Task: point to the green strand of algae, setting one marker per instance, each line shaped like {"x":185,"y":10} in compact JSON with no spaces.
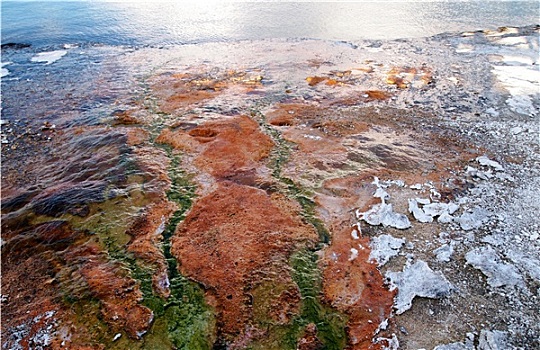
{"x":305,"y":272}
{"x":185,"y":316}
{"x":183,"y":320}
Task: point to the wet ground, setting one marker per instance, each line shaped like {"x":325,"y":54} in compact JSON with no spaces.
{"x":273,"y":194}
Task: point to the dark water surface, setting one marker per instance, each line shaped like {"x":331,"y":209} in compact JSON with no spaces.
{"x":156,"y":23}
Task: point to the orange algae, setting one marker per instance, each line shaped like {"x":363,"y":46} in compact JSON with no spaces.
{"x":312,"y":81}
{"x":251,"y":234}
{"x":222,"y":147}
{"x":402,"y":77}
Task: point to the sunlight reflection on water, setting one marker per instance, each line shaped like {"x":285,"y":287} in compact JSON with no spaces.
{"x":151,"y":23}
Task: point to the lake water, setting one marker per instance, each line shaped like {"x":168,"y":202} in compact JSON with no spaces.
{"x":156,"y":23}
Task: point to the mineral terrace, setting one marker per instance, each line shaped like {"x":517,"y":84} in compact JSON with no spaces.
{"x":276,"y":195}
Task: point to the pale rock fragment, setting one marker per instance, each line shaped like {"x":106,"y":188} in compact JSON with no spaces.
{"x":527,"y":263}
{"x":422,"y":201}
{"x":483,"y":175}
{"x":472,"y":171}
{"x":418,"y":213}
{"x":522,"y":84}
{"x":382,"y":194}
{"x":468,"y":345}
{"x":497,"y":272}
{"x":516,"y":130}
{"x":445,"y":218}
{"x":417,"y":280}
{"x":512,"y":40}
{"x":464,"y":48}
{"x":384,"y":247}
{"x":393,"y":343}
{"x":4,"y":71}
{"x":483,"y":160}
{"x":382,"y":326}
{"x":492,"y":340}
{"x":444,"y":237}
{"x":431,"y":210}
{"x":383,"y":214}
{"x":49,"y":57}
{"x":434,"y":193}
{"x":444,"y":252}
{"x":312,"y":137}
{"x":493,"y":112}
{"x":354,"y":234}
{"x":354,"y":254}
{"x":505,"y":176}
{"x":522,"y":104}
{"x":388,"y":183}
{"x":472,"y":220}
{"x":437,"y":209}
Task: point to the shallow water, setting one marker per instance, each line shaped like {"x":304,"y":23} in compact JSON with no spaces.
{"x":155,"y":23}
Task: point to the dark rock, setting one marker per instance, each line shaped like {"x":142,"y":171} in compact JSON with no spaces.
{"x":15,"y":46}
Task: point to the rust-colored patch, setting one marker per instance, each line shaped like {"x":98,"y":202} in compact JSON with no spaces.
{"x":178,"y":139}
{"x":292,"y":112}
{"x":282,"y":120}
{"x":224,"y":147}
{"x":136,"y":136}
{"x":234,"y":238}
{"x":402,"y":77}
{"x":355,"y":286}
{"x":312,"y":81}
{"x":377,"y":95}
{"x":332,"y":79}
{"x":124,"y":118}
{"x":46,"y":255}
{"x":326,"y":119}
{"x":351,"y":283}
{"x":341,"y":74}
{"x":332,"y":82}
{"x":187,"y":98}
{"x":360,"y":98}
{"x":118,"y":293}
